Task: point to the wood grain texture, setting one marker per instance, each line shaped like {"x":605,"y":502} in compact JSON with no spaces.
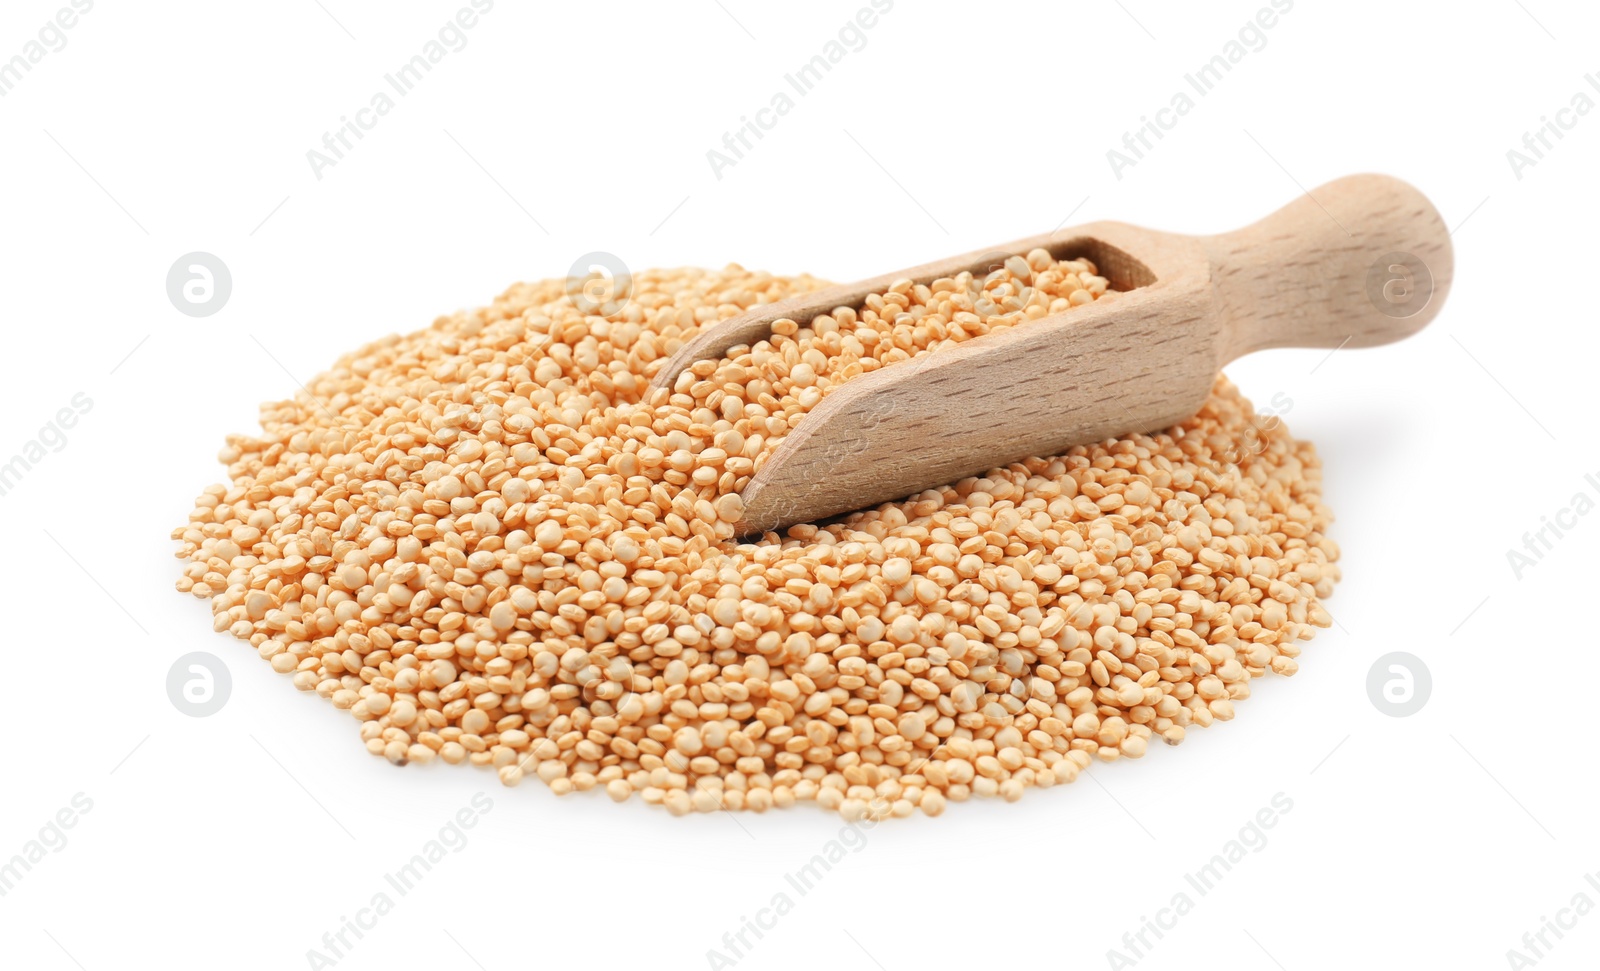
{"x":1361,"y":261}
{"x":1305,"y":275}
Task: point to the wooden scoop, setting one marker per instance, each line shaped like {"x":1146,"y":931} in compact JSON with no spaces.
{"x":1361,"y":261}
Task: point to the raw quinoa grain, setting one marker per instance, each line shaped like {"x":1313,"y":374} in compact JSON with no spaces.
{"x":490,"y":543}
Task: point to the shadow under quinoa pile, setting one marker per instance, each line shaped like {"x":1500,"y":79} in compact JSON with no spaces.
{"x":486,"y":544}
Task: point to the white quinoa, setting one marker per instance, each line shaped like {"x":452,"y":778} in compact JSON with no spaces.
{"x":481,"y":541}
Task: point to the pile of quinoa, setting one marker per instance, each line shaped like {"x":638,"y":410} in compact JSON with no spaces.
{"x":490,"y":542}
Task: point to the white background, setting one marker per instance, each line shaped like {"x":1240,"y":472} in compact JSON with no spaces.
{"x":238,"y":840}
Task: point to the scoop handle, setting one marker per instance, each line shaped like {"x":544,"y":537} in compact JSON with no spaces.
{"x":1360,"y":261}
